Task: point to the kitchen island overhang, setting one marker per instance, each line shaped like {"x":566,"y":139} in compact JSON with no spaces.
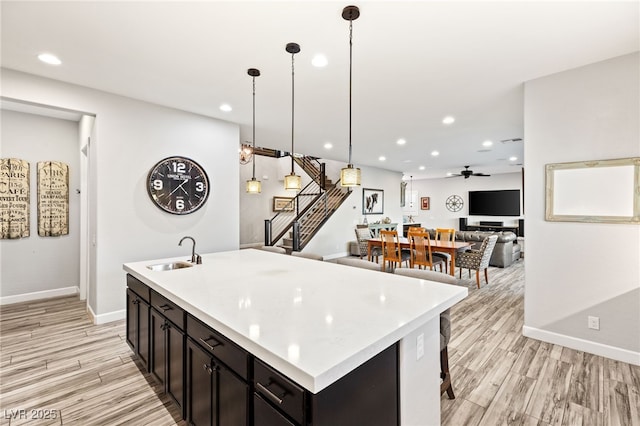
{"x":313,"y":321}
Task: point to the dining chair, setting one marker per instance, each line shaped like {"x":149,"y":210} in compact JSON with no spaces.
{"x":391,"y":252}
{"x":420,"y":244}
{"x":477,"y":259}
{"x":362,"y":235}
{"x":358,"y":263}
{"x":445,"y":325}
{"x":444,"y":234}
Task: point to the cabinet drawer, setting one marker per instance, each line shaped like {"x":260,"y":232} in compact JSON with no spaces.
{"x":222,"y":348}
{"x":279,"y":390}
{"x":173,"y":312}
{"x":138,"y":287}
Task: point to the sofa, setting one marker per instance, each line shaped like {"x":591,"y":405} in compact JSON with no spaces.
{"x":506,"y":251}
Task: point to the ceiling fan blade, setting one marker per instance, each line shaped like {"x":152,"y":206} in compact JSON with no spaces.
{"x":480,"y":174}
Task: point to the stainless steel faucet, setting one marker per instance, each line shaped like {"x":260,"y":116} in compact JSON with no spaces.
{"x":195,"y":257}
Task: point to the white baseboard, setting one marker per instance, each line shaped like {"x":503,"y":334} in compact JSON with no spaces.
{"x":105,"y":318}
{"x":576,"y":343}
{"x":38,"y":295}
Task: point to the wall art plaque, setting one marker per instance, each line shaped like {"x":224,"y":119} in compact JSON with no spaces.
{"x":53,"y":198}
{"x":14,"y":198}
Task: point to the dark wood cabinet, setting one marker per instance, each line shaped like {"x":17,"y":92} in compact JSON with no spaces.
{"x":215,"y":395}
{"x":138,"y":327}
{"x":215,"y":382}
{"x":266,"y":415}
{"x":166,"y":356}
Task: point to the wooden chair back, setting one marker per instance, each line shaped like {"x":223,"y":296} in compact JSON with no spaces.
{"x":420,"y":243}
{"x":390,"y":248}
{"x":414,"y":230}
{"x":445,"y":234}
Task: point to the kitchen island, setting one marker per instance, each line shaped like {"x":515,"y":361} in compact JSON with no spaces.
{"x":317,"y":324}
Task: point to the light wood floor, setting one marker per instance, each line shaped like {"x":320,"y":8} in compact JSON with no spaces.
{"x":501,"y":377}
{"x":53,"y":358}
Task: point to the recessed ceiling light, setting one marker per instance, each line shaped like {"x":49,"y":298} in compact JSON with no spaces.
{"x":49,"y":58}
{"x":448,"y":120}
{"x":422,"y":167}
{"x":319,"y":61}
{"x":434,"y":153}
{"x":401,"y":141}
{"x":328,"y":145}
{"x":382,"y":158}
{"x":226,"y":107}
{"x":487,"y":143}
{"x":514,"y":158}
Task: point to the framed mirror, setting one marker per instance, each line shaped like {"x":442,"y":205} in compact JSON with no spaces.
{"x":601,"y":191}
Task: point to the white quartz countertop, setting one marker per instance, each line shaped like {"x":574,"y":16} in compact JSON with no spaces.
{"x":313,"y":321}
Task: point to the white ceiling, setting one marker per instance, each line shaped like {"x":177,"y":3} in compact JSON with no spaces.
{"x":414,"y":62}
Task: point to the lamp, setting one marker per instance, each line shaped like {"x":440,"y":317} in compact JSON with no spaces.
{"x":350,"y":176}
{"x":292,"y":181}
{"x":253,"y":185}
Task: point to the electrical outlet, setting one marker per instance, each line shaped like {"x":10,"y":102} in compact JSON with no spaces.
{"x":593,"y":323}
{"x":419,"y":346}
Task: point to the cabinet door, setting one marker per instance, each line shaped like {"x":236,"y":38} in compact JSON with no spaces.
{"x":175,"y":364}
{"x":143,"y":333}
{"x":157,"y":357}
{"x":233,"y":399}
{"x":132,"y":320}
{"x":138,"y":327}
{"x":201,"y":387}
{"x":265,"y":415}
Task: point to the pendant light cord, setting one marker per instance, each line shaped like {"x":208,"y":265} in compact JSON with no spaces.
{"x":292,"y":109}
{"x":254,"y":130}
{"x":350,"y":79}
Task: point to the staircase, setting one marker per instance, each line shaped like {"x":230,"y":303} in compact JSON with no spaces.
{"x":311,"y":208}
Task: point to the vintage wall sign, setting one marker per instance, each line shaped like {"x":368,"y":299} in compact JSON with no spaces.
{"x":14,"y":198}
{"x":53,"y":198}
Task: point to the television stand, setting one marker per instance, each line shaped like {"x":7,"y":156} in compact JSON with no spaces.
{"x":513,"y":228}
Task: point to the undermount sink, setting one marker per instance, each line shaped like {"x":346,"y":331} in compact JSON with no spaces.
{"x":170,"y":266}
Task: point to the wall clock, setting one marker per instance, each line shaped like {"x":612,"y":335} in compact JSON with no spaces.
{"x":178,"y":185}
{"x":454,"y":203}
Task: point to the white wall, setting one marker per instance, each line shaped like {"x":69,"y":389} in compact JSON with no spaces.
{"x":130,"y":137}
{"x":438,"y":190}
{"x":580,"y":269}
{"x":42,"y":264}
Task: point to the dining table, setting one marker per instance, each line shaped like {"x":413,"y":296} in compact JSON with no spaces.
{"x":450,"y":247}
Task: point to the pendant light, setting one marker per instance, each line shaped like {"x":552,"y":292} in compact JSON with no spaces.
{"x":253,"y":185}
{"x":350,"y":176}
{"x":292,"y":181}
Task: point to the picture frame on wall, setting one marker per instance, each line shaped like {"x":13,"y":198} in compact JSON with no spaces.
{"x":424,"y":203}
{"x":372,"y":201}
{"x":283,"y":204}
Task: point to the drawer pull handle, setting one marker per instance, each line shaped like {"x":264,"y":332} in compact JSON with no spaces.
{"x":275,"y":398}
{"x":204,"y":342}
{"x":165,"y":307}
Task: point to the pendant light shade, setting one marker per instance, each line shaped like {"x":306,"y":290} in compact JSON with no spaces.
{"x":253,"y":185}
{"x":350,"y":176}
{"x":292,"y":181}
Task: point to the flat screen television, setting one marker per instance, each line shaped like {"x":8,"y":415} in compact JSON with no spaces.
{"x":494,"y":203}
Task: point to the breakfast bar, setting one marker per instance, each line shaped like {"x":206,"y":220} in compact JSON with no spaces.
{"x":293,"y":326}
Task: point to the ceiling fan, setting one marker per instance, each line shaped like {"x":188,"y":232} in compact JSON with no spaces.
{"x":466,"y":173}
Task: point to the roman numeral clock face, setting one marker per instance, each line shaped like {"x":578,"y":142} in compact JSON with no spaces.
{"x":178,"y":185}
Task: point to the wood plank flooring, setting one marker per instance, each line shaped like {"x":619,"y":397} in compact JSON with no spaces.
{"x":500,"y":377}
{"x":53,"y":358}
